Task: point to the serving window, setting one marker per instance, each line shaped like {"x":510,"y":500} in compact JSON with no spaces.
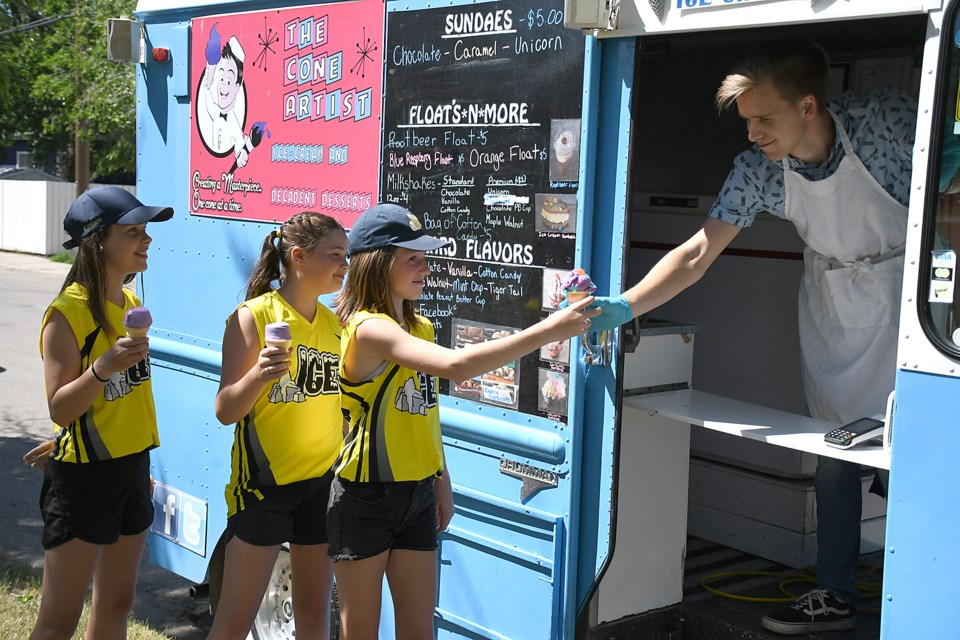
{"x":938,"y":298}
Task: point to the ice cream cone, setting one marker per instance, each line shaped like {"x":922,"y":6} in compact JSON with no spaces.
{"x":277,"y":334}
{"x":578,"y":286}
{"x":137,"y":321}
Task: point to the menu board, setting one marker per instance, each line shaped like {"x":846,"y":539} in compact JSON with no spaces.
{"x":481,"y":140}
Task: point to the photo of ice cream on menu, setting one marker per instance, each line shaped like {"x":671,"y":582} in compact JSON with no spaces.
{"x":553,"y":293}
{"x":552,"y":396}
{"x":565,"y":150}
{"x":556,"y":213}
{"x":500,"y":386}
{"x":558,"y":351}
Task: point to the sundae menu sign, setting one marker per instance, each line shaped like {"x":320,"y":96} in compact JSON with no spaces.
{"x":482,"y":141}
{"x":286,"y":111}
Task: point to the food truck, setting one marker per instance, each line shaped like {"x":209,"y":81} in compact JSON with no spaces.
{"x":539,"y":136}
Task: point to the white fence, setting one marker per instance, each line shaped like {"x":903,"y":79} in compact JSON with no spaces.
{"x":31,"y":215}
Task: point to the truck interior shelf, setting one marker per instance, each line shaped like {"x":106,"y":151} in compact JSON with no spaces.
{"x":780,"y":428}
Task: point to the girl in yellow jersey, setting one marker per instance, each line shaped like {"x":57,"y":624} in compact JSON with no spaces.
{"x":95,"y":497}
{"x":392,"y":493}
{"x":289,"y":428}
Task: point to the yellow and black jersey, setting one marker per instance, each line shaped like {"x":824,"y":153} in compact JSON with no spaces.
{"x":122,"y":419}
{"x":394,"y":418}
{"x":295,"y":428}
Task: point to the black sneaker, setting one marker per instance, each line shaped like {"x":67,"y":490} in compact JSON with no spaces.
{"x":813,"y":612}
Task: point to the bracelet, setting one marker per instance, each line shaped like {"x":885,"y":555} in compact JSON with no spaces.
{"x":94,"y":372}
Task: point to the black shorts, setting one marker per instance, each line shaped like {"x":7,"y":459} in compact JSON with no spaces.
{"x":294,"y":513}
{"x":367,"y":518}
{"x":96,"y":502}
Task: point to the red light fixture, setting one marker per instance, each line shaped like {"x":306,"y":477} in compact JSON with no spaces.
{"x":160,"y":54}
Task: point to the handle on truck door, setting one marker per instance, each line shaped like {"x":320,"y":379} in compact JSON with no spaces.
{"x":888,"y":423}
{"x":598,"y":353}
{"x":631,"y":334}
{"x":601,"y":352}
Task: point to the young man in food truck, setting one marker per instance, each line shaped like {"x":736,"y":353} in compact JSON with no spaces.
{"x":840,"y":171}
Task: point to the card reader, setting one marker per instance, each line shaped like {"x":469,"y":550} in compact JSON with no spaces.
{"x":854,"y":433}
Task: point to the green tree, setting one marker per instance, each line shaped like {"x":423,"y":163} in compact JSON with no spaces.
{"x":17,"y":116}
{"x":56,"y":82}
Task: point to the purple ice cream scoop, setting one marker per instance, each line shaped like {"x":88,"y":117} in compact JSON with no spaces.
{"x":277,"y":334}
{"x":578,"y":280}
{"x":137,"y":321}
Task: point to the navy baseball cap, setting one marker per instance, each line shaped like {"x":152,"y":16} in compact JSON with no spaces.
{"x":384,"y":225}
{"x":102,"y":206}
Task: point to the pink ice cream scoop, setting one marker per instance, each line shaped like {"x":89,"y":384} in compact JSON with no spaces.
{"x":553,"y":389}
{"x":137,"y":321}
{"x":277,"y":334}
{"x":578,"y":285}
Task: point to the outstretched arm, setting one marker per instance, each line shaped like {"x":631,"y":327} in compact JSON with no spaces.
{"x":378,"y":340}
{"x":676,"y":271}
{"x":681,"y":267}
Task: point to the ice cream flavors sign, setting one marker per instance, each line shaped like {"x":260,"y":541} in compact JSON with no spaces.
{"x":286,"y":112}
{"x":481,"y":139}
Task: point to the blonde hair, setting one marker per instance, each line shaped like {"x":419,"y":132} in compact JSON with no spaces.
{"x":794,"y":69}
{"x":368,"y":288}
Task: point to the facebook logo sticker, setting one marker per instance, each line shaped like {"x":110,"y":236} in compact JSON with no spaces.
{"x":166,"y":506}
{"x":180,"y":518}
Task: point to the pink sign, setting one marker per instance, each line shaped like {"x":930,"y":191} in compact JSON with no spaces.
{"x":286,"y":113}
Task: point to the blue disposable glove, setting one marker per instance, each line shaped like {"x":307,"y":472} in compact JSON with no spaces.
{"x":616,"y":311}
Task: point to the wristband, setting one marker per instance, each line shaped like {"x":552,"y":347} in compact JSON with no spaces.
{"x":94,"y":372}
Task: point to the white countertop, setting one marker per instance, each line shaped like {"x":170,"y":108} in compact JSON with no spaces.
{"x":753,"y":421}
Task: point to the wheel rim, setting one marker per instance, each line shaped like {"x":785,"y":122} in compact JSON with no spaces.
{"x":274,"y":620}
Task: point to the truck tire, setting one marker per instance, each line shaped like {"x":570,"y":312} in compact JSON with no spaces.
{"x":274,"y":620}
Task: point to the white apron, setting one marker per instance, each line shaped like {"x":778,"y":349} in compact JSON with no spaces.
{"x":850,"y":295}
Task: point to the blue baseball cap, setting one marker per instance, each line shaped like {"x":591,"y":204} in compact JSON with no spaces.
{"x":384,"y":225}
{"x":102,"y":206}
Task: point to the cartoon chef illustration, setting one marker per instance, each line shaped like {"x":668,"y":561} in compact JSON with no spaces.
{"x":222,"y":101}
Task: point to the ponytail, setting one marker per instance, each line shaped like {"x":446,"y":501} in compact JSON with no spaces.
{"x":268,"y":266}
{"x":305,"y":230}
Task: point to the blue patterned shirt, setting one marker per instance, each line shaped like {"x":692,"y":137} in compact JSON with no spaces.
{"x":881,"y":126}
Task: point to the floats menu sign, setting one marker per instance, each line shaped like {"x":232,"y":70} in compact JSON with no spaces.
{"x":286,"y":111}
{"x":482,"y":141}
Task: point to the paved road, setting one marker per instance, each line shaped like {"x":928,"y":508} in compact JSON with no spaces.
{"x":27,"y":285}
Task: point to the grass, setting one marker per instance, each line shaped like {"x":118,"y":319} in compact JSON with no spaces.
{"x":66,"y":257}
{"x":20,"y":603}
